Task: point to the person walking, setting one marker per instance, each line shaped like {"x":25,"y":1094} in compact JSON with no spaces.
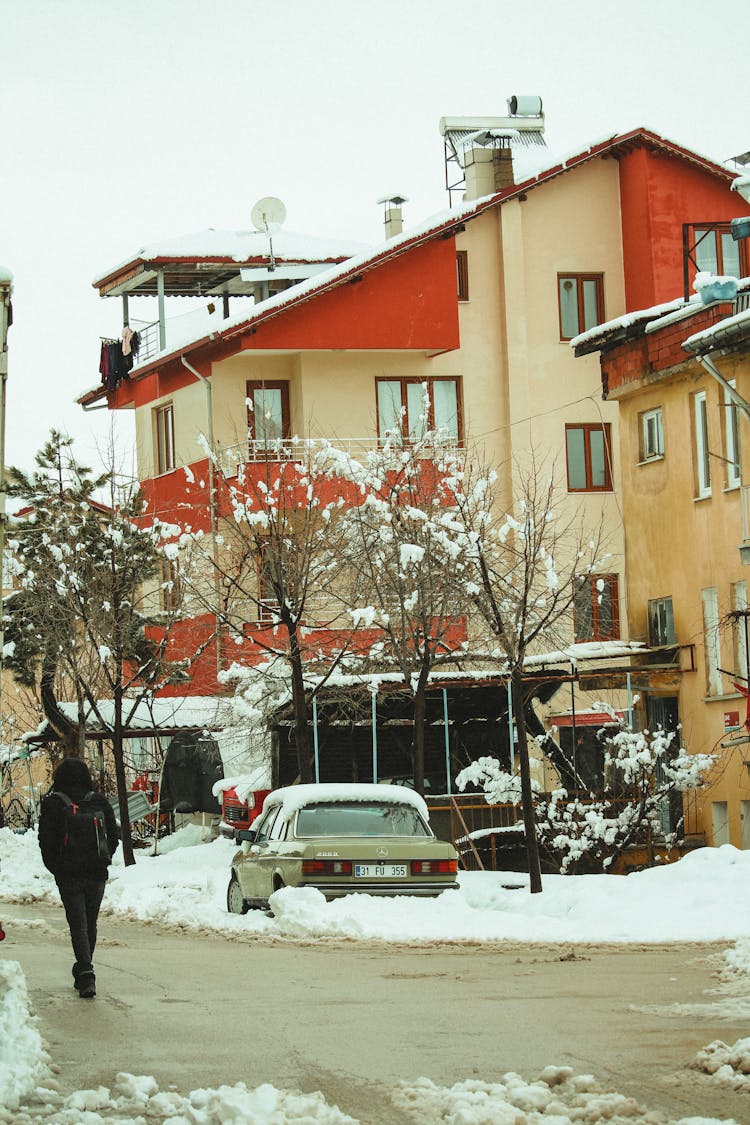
{"x":78,"y":836}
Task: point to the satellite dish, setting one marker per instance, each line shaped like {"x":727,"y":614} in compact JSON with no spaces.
{"x":268,"y":214}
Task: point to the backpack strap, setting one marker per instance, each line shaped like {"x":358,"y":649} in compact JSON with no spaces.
{"x":64,"y":798}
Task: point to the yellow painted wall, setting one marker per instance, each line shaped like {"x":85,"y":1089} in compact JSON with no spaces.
{"x":679,"y":546}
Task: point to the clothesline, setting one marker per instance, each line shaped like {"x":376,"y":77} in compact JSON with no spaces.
{"x":117,"y":357}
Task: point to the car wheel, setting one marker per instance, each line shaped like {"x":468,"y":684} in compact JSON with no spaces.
{"x":235,"y":902}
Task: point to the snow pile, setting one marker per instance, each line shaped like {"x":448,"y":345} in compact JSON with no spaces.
{"x":137,"y":1098}
{"x":700,"y":898}
{"x":183,"y":886}
{"x":558,"y":1097}
{"x":24,"y":1063}
{"x":727,"y":1064}
{"x":23,"y":876}
{"x":730,"y":1065}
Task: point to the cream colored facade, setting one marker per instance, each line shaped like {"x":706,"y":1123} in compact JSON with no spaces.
{"x":520,"y":383}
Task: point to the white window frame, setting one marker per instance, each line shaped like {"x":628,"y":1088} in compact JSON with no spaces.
{"x":702,"y":463}
{"x":732,"y":439}
{"x":739,"y":606}
{"x":661,"y":630}
{"x":652,"y":434}
{"x":712,"y":641}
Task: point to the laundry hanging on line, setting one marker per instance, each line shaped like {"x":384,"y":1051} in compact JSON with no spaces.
{"x":115,"y":362}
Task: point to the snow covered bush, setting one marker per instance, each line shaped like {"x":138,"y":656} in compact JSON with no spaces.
{"x":578,"y":832}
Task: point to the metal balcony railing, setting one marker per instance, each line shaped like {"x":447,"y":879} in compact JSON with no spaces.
{"x":149,"y":334}
{"x":289,"y":449}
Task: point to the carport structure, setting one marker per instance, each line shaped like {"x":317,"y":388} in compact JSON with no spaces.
{"x":361,"y":726}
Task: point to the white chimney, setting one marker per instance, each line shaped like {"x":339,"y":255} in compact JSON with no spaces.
{"x":479,"y":150}
{"x":393,"y":217}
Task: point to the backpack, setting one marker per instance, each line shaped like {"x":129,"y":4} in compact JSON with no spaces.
{"x":85,"y":842}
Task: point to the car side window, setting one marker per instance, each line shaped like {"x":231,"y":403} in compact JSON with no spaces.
{"x":277,"y":830}
{"x":265,"y":825}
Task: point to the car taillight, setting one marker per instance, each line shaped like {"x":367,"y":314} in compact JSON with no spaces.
{"x":434,"y":866}
{"x":326,"y":867}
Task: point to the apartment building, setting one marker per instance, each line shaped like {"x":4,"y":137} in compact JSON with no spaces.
{"x":479,"y":302}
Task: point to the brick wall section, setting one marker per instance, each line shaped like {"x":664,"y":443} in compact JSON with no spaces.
{"x":658,"y":351}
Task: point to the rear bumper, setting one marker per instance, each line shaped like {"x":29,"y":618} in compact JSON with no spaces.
{"x":381,"y":890}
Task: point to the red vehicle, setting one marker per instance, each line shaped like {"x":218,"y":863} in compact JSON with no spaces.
{"x":237,"y":815}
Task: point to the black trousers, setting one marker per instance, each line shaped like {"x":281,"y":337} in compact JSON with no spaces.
{"x":82,"y":898}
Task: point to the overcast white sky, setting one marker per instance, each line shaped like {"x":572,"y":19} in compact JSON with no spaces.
{"x":124,"y":124}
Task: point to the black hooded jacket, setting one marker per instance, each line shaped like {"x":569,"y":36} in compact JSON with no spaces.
{"x":72,"y":777}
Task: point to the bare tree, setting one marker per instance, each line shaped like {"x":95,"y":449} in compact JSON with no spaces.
{"x":277,"y":554}
{"x":527,"y":566}
{"x":405,"y":551}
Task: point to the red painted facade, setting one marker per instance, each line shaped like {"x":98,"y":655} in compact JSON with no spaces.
{"x":660,"y":193}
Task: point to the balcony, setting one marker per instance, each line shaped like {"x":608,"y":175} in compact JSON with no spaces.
{"x":232,"y":457}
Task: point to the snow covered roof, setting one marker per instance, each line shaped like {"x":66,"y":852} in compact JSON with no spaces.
{"x":234,"y":246}
{"x":442,"y":223}
{"x":593,"y":338}
{"x":647,"y":321}
{"x":730,"y":330}
{"x":168,"y":714}
{"x":295,"y":797}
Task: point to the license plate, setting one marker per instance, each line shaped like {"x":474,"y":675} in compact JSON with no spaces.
{"x":379,"y":870}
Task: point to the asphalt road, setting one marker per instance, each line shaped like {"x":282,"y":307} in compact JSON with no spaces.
{"x":353,"y":1019}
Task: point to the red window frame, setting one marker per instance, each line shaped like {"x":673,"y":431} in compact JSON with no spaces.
{"x":164,"y":425}
{"x":462,"y":274}
{"x":690,"y":250}
{"x":170,"y":574}
{"x":404,"y":383}
{"x":269,"y":384}
{"x":588,"y":428}
{"x":579,"y":278}
{"x":587,"y":586}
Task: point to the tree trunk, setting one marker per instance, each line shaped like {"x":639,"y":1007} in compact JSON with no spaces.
{"x":299,"y":702}
{"x":66,"y":731}
{"x":420,"y":711}
{"x":122,"y":786}
{"x":527,"y":797}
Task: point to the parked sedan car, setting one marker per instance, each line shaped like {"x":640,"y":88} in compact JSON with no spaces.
{"x":341,"y":839}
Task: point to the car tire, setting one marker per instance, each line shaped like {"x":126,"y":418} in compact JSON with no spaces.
{"x":236,"y":904}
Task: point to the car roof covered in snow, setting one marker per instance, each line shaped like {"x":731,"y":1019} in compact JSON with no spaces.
{"x":295,"y":797}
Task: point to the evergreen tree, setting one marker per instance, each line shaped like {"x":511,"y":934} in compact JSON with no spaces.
{"x":79,"y":623}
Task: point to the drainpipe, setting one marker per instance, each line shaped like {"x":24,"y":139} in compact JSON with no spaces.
{"x":213,"y":515}
{"x":708,"y":365}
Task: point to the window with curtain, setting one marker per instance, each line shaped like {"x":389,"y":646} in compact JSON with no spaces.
{"x":413,"y":406}
{"x":164,"y":425}
{"x":581,"y":302}
{"x":702,"y":462}
{"x":587,"y":449}
{"x":596,"y":608}
{"x":267,"y":411}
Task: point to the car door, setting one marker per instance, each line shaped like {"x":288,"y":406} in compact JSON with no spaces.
{"x":263,"y":855}
{"x":252,"y":866}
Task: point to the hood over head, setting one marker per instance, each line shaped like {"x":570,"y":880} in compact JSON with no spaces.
{"x":72,"y":776}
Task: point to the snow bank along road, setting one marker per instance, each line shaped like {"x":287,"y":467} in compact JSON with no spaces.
{"x":353,"y":1019}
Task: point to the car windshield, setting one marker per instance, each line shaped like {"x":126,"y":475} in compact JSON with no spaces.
{"x":359,"y":818}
